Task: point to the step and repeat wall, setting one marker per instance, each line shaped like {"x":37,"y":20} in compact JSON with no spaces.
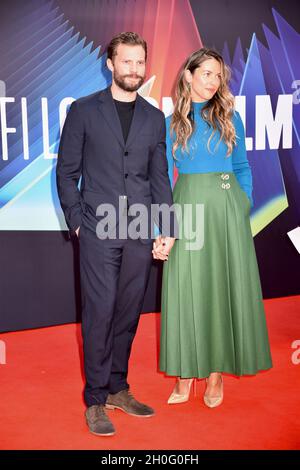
{"x":54,"y":51}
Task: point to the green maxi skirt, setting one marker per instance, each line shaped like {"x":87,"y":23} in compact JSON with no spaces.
{"x":212,"y":317}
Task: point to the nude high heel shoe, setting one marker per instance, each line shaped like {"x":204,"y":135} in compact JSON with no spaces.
{"x":176,"y":397}
{"x":212,"y":402}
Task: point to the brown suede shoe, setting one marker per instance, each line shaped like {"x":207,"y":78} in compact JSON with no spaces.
{"x":126,"y":402}
{"x":98,"y":422}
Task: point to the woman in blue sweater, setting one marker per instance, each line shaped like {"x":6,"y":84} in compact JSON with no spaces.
{"x":213,"y":318}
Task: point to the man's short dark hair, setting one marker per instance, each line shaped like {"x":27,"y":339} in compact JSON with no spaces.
{"x":130,"y":38}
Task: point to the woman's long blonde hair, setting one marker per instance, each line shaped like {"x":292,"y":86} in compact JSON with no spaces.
{"x":217,"y":112}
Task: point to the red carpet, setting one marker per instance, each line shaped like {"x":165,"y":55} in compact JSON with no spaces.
{"x":41,"y":395}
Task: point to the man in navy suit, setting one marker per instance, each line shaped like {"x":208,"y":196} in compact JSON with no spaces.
{"x":115,"y":141}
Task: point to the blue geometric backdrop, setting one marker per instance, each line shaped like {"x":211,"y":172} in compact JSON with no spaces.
{"x":52,"y":62}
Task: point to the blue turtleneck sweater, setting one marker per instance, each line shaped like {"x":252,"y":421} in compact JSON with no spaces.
{"x":200,"y":160}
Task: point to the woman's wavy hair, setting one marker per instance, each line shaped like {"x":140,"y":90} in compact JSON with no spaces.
{"x":217,"y":112}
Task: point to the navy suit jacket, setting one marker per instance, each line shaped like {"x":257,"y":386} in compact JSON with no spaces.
{"x":92,"y":147}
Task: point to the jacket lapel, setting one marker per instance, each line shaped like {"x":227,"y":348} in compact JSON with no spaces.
{"x":110,"y":114}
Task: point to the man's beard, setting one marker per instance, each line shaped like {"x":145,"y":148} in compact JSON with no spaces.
{"x":120,"y":81}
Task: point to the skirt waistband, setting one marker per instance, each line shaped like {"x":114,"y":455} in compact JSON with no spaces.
{"x":213,"y":174}
{"x":222,"y":179}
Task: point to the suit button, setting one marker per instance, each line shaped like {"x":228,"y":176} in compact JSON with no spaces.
{"x":226,"y":177}
{"x":126,"y":154}
{"x":126,"y":175}
{"x":227,"y":185}
{"x":223,"y":186}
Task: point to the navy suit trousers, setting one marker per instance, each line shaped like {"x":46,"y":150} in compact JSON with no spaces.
{"x":114,"y":276}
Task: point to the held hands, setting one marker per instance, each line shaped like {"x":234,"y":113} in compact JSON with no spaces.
{"x":162,"y":247}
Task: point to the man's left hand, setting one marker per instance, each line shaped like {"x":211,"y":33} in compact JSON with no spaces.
{"x":162,"y":247}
